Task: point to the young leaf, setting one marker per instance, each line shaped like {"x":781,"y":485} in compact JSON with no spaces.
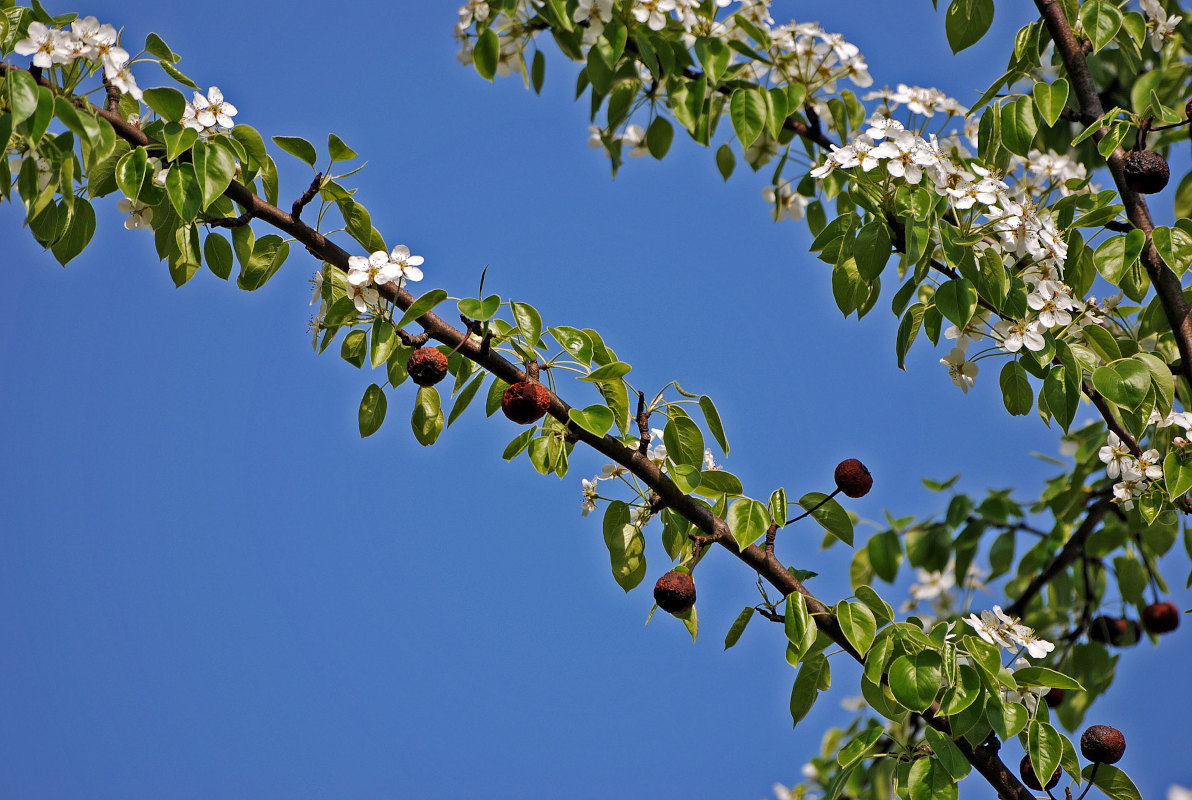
{"x":372,"y":410}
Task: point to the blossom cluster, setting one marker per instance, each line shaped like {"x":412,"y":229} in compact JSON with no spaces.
{"x":378,"y":269}
{"x":1014,"y":226}
{"x":86,"y":39}
{"x":208,"y":111}
{"x":1000,"y":630}
{"x":1161,"y":26}
{"x":1133,"y":475}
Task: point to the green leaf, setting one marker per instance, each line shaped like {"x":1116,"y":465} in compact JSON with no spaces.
{"x":79,"y":231}
{"x":183,"y":189}
{"x":712,"y":418}
{"x":738,"y":627}
{"x":254,"y":146}
{"x":130,"y":172}
{"x":217,"y":252}
{"x":831,"y":515}
{"x":930,"y":781}
{"x":1018,"y":126}
{"x":1045,"y":747}
{"x":23,"y":95}
{"x":915,"y":680}
{"x":420,"y":306}
{"x":268,"y":254}
{"x":383,"y":341}
{"x":713,"y":55}
{"x":480,"y":310}
{"x":1177,"y":474}
{"x":684,"y":442}
{"x":659,"y":136}
{"x":297,"y":147}
{"x":427,"y":419}
{"x":885,"y":554}
{"x":814,"y":675}
{"x":1061,"y":395}
{"x":1112,"y":781}
{"x":856,"y":749}
{"x":168,"y":102}
{"x":486,"y":53}
{"x":799,"y":625}
{"x":538,"y":71}
{"x":609,"y":372}
{"x":214,"y":168}
{"x":157,"y":48}
{"x":726,"y":161}
{"x":857,"y":623}
{"x":1174,"y":246}
{"x":529,"y":323}
{"x":1017,"y":394}
{"x":966,"y":21}
{"x":957,"y":300}
{"x":949,"y":755}
{"x":338,"y":150}
{"x":1051,"y":99}
{"x":372,"y":410}
{"x":1125,"y":382}
{"x":747,"y":109}
{"x":626,"y":546}
{"x":748,"y":520}
{"x":718,"y":482}
{"x":597,"y":419}
{"x":354,"y":348}
{"x":872,"y":250}
{"x":178,"y":140}
{"x":777,"y":506}
{"x":880,"y":608}
{"x":1101,"y":21}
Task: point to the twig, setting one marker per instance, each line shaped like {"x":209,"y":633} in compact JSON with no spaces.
{"x":307,"y":196}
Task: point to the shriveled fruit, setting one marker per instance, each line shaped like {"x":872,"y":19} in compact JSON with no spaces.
{"x":427,"y":366}
{"x":1146,"y":171}
{"x":675,"y":592}
{"x":853,"y":478}
{"x":1102,"y":744}
{"x":525,"y":402}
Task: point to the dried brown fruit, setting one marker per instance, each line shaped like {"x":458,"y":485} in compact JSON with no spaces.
{"x":675,"y":592}
{"x":1146,"y":171}
{"x":1027,"y":771}
{"x":1054,"y":697}
{"x":427,"y":366}
{"x":1102,"y":744}
{"x":525,"y":402}
{"x":1161,"y":617}
{"x":853,"y":478}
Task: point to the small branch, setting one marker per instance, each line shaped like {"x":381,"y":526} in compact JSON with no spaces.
{"x":307,"y":196}
{"x":113,"y":95}
{"x":1009,"y":526}
{"x":1071,"y":551}
{"x":413,"y":341}
{"x":643,"y":424}
{"x":231,"y":222}
{"x":771,"y":535}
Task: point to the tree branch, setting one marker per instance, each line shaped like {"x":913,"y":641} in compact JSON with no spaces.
{"x":1166,"y":284}
{"x":1071,"y":551}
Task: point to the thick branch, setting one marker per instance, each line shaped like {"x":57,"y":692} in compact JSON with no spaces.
{"x":1167,"y":285}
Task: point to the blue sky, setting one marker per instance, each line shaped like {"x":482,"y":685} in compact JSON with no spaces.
{"x":210,"y":586}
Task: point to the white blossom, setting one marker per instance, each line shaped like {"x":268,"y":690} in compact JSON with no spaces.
{"x":140,"y":216}
{"x":960,"y":369}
